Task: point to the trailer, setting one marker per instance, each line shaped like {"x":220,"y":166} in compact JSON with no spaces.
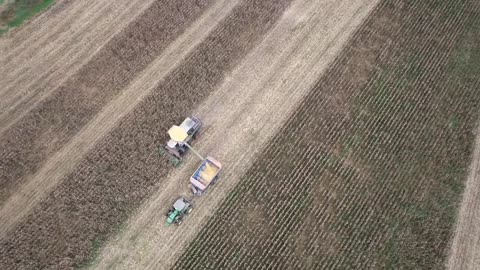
{"x":175,"y":150}
{"x":205,"y":175}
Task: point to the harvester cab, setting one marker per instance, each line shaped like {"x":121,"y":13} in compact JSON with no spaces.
{"x":176,"y":149}
{"x":180,"y":208}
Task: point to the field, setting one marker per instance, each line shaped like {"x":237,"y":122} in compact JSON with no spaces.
{"x":346,"y":129}
{"x":79,"y":200}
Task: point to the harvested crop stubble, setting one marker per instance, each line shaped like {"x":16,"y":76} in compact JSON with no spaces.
{"x":26,"y":146}
{"x":44,"y":54}
{"x":366,"y":174}
{"x":124,"y":168}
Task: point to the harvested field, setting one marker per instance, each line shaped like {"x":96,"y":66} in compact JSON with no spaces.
{"x":46,"y":52}
{"x":26,"y":146}
{"x":63,"y":161}
{"x":345,"y":128}
{"x":368,"y":172}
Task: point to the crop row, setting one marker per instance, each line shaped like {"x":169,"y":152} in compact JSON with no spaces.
{"x":354,"y":178}
{"x":124,"y":168}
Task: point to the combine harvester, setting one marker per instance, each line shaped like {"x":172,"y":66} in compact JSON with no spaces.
{"x":175,"y":150}
{"x":205,"y":175}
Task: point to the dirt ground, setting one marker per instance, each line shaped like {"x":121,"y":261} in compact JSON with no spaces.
{"x":268,"y":81}
{"x":465,"y":250}
{"x":28,"y":143}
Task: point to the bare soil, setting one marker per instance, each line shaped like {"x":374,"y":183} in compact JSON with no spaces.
{"x":60,"y":164}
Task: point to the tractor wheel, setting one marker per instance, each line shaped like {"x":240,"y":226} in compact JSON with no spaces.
{"x":175,"y":161}
{"x":189,"y":210}
{"x":179,"y":222}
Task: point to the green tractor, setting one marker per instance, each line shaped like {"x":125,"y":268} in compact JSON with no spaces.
{"x":180,"y":208}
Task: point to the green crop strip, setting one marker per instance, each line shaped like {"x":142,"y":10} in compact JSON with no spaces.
{"x":19,"y":11}
{"x":443,"y":120}
{"x":440,"y":203}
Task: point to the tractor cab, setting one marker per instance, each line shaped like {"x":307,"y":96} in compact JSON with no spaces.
{"x":180,"y":208}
